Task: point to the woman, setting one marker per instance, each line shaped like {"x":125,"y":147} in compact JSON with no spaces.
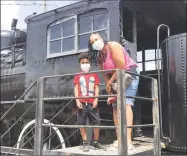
{"x":111,"y":55}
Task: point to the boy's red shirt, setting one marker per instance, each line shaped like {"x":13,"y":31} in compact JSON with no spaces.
{"x":86,"y":86}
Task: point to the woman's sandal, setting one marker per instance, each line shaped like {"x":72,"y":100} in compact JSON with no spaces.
{"x":114,"y":144}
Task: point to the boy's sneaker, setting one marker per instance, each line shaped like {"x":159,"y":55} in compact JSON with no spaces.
{"x":85,"y":146}
{"x":97,"y":145}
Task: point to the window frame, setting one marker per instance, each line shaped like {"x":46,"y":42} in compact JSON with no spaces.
{"x":61,"y":38}
{"x":93,"y":31}
{"x":77,"y":34}
{"x":86,"y":49}
{"x":143,"y":61}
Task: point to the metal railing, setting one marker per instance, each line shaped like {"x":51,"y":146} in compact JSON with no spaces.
{"x":122,"y":126}
{"x":159,"y":76}
{"x":17,"y":148}
{"x":26,"y":112}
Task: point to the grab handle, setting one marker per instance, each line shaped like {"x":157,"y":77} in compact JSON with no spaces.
{"x":158,"y":69}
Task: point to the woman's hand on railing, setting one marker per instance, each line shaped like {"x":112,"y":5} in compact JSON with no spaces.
{"x":111,"y":100}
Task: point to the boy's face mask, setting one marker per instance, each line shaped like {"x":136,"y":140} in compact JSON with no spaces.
{"x":85,"y":67}
{"x":98,"y":45}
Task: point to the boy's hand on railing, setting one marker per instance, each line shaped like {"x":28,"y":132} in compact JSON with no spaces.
{"x":95,"y":103}
{"x":79,"y":104}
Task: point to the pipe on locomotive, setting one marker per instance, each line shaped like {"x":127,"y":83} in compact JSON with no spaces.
{"x":14,"y":24}
{"x":158,"y":70}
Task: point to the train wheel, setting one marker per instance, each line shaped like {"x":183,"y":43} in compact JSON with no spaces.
{"x":55,"y":141}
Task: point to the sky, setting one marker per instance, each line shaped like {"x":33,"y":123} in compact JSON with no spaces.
{"x":21,"y":9}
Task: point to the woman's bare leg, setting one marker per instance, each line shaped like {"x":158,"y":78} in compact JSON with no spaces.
{"x":115,"y":118}
{"x":129,"y":116}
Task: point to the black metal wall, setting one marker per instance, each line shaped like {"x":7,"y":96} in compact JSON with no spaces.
{"x":174,"y":91}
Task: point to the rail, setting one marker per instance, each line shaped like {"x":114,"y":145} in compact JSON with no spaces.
{"x":159,"y":81}
{"x":18,"y":147}
{"x":14,"y":104}
{"x":15,"y":45}
{"x":39,"y":116}
{"x":13,"y":49}
{"x":122,"y":126}
{"x":19,"y":100}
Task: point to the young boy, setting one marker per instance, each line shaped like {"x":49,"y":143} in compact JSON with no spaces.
{"x":87,"y":85}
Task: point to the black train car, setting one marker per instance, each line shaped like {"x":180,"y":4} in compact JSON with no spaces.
{"x":175,"y":99}
{"x":53,"y":41}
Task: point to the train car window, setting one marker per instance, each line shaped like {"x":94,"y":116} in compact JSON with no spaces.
{"x":85,"y":24}
{"x":55,"y":32}
{"x":150,"y":65}
{"x":92,"y":21}
{"x":55,"y":46}
{"x":149,"y":54}
{"x":139,"y":60}
{"x":61,"y":37}
{"x":139,"y":56}
{"x":67,"y":36}
{"x":147,"y":62}
{"x":100,"y":21}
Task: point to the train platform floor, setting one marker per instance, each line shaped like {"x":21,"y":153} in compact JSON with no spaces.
{"x":143,"y":146}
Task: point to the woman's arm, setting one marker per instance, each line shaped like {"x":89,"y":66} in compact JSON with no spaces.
{"x":118,"y":58}
{"x":106,"y":78}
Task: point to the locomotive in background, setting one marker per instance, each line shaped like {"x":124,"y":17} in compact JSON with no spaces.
{"x":23,"y":60}
{"x":12,"y":57}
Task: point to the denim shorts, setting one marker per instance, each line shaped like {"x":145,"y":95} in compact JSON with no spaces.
{"x":131,"y":90}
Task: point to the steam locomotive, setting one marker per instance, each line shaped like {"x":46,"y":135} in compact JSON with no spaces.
{"x":50,"y":46}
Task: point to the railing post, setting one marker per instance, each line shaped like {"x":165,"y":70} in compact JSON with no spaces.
{"x":156,"y":122}
{"x":121,"y":110}
{"x":39,"y":117}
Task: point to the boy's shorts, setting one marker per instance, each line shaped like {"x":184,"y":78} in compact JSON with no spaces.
{"x":88,"y":112}
{"x":131,"y":90}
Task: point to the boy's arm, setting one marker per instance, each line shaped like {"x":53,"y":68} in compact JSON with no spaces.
{"x":96,"y":92}
{"x":95,"y":103}
{"x":76,"y":92}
